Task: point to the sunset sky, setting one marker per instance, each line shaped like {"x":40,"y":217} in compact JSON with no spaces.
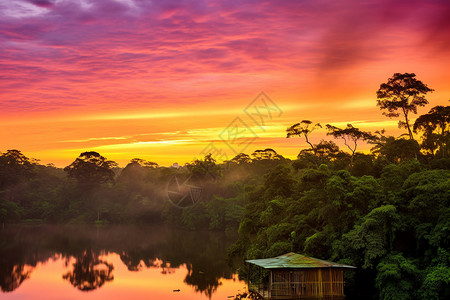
{"x":163,"y":80}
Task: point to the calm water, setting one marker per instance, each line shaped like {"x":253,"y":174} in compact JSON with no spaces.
{"x":118,"y":262}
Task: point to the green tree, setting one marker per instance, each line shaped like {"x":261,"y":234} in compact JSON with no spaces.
{"x":224,"y":213}
{"x":396,"y":150}
{"x":405,"y":93}
{"x":325,"y":153}
{"x":367,"y":243}
{"x":436,"y":284}
{"x":397,"y":278}
{"x":279,"y":182}
{"x":205,"y":169}
{"x":9,"y":211}
{"x":428,"y":194}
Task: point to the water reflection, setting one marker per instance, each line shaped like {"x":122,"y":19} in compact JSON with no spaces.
{"x":89,"y":272}
{"x":11,"y":277}
{"x":85,"y":252}
{"x":16,"y":264}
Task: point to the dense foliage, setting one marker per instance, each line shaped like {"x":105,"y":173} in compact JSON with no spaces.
{"x":387,"y":212}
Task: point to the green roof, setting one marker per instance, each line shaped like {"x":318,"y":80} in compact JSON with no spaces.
{"x":295,"y":261}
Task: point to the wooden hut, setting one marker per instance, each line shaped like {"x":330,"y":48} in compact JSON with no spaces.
{"x":295,"y":276}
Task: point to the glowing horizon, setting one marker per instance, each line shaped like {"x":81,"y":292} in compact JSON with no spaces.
{"x":162,"y":80}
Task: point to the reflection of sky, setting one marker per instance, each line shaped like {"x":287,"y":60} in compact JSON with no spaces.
{"x":134,"y":78}
{"x":150,"y":283}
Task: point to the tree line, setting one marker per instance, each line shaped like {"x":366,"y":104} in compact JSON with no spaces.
{"x":386,"y":212}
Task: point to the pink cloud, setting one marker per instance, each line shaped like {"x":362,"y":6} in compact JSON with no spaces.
{"x":24,"y":105}
{"x":114,"y":51}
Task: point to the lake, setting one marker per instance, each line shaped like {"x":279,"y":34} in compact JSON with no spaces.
{"x":114,"y":262}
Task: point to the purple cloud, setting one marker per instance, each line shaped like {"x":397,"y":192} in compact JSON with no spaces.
{"x":125,"y":49}
{"x":42,"y":3}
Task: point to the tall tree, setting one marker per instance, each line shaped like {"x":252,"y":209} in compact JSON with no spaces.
{"x":143,"y":163}
{"x":351,"y":135}
{"x":396,"y":150}
{"x":14,"y":167}
{"x":304,"y":128}
{"x":241,"y":158}
{"x":326,"y":152}
{"x":91,"y":168}
{"x":206,"y":168}
{"x":405,"y":93}
{"x":135,"y":172}
{"x":327,"y":149}
{"x":267,"y":153}
{"x":435,"y":126}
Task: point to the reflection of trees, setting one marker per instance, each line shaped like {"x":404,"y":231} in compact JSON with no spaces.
{"x":132,"y":262}
{"x":166,"y":268}
{"x":89,"y":272}
{"x":206,"y":282}
{"x":17,"y":261}
{"x":205,"y":257}
{"x":12,"y":276}
{"x":135,"y":261}
{"x":203,"y":254}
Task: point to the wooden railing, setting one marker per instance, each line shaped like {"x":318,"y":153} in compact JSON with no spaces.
{"x":306,"y":289}
{"x":261,"y":289}
{"x":311,"y":284}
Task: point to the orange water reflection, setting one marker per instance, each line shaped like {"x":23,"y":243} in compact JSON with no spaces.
{"x":47,"y":282}
{"x":114,"y":263}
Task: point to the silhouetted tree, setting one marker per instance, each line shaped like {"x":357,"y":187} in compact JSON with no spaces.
{"x":405,"y":93}
{"x":435,"y":126}
{"x":327,"y":149}
{"x":351,"y":135}
{"x":304,"y":128}
{"x":267,"y":153}
{"x":14,"y":166}
{"x":325,"y":152}
{"x":144,"y":163}
{"x":241,"y":158}
{"x":136,"y":172}
{"x":91,"y":168}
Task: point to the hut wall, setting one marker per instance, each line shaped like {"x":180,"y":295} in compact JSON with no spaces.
{"x":308,"y":283}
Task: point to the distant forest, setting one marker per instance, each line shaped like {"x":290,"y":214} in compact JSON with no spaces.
{"x":386,"y":212}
